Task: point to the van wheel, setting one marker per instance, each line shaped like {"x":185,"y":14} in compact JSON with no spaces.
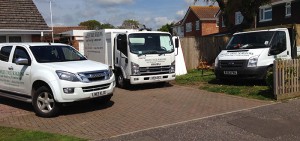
{"x":44,"y":104}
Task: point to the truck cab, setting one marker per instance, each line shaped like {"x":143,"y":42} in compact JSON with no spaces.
{"x":144,"y":57}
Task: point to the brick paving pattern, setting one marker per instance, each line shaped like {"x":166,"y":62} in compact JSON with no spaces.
{"x":129,"y":111}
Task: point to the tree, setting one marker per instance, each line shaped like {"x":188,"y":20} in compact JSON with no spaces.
{"x":107,"y":26}
{"x":91,"y":24}
{"x":130,"y":24}
{"x":248,"y":8}
{"x":167,"y":28}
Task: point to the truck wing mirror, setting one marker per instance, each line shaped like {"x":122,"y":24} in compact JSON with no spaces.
{"x":176,"y":42}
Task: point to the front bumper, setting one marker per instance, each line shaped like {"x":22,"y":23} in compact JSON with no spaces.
{"x":82,"y":91}
{"x":152,"y":78}
{"x":255,"y":73}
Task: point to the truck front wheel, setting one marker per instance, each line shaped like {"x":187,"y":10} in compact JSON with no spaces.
{"x":121,"y":82}
{"x":44,"y":104}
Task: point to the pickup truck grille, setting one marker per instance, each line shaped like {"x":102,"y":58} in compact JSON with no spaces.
{"x":155,"y":70}
{"x":96,"y":88}
{"x":233,"y":63}
{"x":96,"y":75}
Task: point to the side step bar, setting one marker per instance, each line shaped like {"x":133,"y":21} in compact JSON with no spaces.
{"x":15,"y":96}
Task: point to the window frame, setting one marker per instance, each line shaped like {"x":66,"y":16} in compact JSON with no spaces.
{"x":262,"y":13}
{"x":288,"y":8}
{"x":197,"y":25}
{"x":188,"y":27}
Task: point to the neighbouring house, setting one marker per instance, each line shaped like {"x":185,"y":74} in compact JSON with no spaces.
{"x":278,"y":12}
{"x":200,"y":21}
{"x":76,"y":38}
{"x":178,"y":29}
{"x":20,"y":21}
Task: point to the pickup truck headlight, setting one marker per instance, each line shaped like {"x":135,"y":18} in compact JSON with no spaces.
{"x":172,"y":69}
{"x":68,"y":76}
{"x":216,"y":62}
{"x":135,"y":69}
{"x":253,"y":61}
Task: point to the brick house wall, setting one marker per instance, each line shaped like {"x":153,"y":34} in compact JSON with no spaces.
{"x":278,"y":15}
{"x":207,"y":21}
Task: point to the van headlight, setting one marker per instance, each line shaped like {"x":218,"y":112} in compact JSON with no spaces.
{"x":216,"y":62}
{"x":172,"y":69}
{"x":253,"y":61}
{"x":135,"y":69}
{"x":68,"y":76}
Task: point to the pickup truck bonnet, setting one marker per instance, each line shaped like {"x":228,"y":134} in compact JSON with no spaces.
{"x":241,"y":54}
{"x":77,"y":66}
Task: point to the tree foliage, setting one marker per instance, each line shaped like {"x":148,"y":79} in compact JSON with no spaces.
{"x":91,"y":24}
{"x":107,"y":26}
{"x":130,"y":24}
{"x":167,"y":28}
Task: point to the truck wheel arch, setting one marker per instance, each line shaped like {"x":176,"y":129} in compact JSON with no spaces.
{"x":37,"y":84}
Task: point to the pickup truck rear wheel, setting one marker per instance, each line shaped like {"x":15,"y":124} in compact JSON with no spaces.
{"x":44,"y":104}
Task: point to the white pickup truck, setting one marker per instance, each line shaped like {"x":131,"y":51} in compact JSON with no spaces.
{"x":50,"y":74}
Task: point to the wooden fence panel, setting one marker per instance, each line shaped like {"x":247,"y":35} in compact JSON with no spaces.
{"x":286,"y":78}
{"x":199,"y":49}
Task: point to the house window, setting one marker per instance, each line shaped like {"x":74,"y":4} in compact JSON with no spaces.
{"x":217,"y":22}
{"x":265,"y":14}
{"x":14,"y":39}
{"x":2,"y":39}
{"x":288,"y":9}
{"x":238,"y":18}
{"x":197,"y":25}
{"x":223,"y":23}
{"x":188,"y":27}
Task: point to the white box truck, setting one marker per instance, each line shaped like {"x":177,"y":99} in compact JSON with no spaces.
{"x":136,"y":57}
{"x":250,"y":55}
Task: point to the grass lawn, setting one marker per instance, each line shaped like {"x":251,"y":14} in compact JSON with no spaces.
{"x":12,"y":134}
{"x":207,"y":81}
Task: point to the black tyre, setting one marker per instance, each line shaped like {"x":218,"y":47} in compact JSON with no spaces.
{"x":121,"y":82}
{"x":44,"y":103}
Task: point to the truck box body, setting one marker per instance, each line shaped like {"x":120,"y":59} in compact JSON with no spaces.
{"x":136,"y":56}
{"x":249,"y":55}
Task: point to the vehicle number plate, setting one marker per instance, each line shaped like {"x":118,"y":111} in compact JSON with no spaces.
{"x":97,"y":94}
{"x":230,"y":72}
{"x":155,"y":77}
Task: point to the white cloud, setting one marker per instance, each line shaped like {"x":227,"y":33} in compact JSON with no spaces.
{"x":114,"y":2}
{"x":189,"y":1}
{"x":181,"y":13}
{"x":159,"y":21}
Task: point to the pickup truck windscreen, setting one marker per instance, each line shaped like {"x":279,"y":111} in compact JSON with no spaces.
{"x":52,"y":53}
{"x":154,"y":43}
{"x":251,"y":40}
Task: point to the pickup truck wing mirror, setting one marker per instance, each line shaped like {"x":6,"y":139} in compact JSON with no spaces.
{"x":22,"y":61}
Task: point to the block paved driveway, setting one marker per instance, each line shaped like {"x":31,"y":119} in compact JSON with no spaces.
{"x":141,"y":108}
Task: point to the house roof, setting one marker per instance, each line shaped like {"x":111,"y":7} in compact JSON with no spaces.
{"x":205,"y":12}
{"x":22,"y":15}
{"x":61,"y":29}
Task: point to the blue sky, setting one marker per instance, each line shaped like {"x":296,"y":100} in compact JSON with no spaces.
{"x":152,"y":13}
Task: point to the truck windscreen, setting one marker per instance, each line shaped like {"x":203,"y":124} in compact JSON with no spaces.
{"x":251,"y":40}
{"x":150,"y":43}
{"x":52,"y":53}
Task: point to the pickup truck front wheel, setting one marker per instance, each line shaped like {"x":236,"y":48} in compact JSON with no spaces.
{"x":44,"y":103}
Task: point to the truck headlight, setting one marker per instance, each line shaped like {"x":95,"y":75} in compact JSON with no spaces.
{"x":253,"y":61}
{"x":172,"y":69}
{"x":68,"y":76}
{"x":135,"y":69}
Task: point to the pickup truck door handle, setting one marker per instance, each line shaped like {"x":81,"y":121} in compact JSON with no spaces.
{"x":10,"y":68}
